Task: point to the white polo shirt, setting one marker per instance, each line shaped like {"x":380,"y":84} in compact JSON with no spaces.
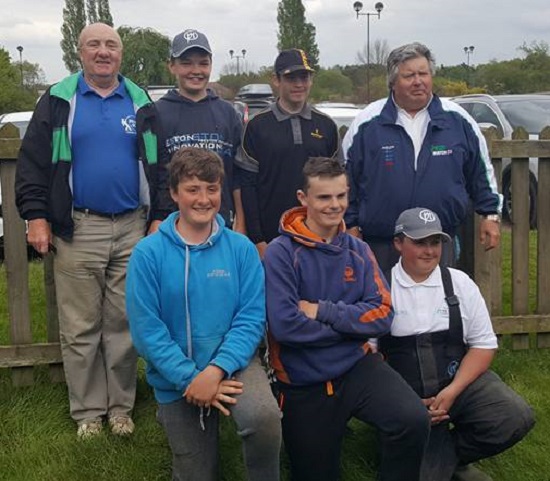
{"x":420,"y":307}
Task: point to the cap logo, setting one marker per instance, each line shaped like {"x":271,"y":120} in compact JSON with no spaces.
{"x":190,"y":36}
{"x":427,"y":216}
{"x":304,"y":59}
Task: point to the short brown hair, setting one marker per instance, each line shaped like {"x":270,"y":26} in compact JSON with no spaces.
{"x":191,"y":162}
{"x":321,"y":167}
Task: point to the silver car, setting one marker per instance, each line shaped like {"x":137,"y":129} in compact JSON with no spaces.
{"x":506,"y":112}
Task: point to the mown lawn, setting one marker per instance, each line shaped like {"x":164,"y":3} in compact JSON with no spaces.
{"x":38,"y":438}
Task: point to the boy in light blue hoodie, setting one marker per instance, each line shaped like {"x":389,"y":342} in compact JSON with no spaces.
{"x":196,"y":307}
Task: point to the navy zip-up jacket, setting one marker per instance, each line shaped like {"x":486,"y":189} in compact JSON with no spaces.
{"x":453,"y":167}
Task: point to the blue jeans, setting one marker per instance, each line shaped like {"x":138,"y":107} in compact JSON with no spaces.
{"x":258,"y":420}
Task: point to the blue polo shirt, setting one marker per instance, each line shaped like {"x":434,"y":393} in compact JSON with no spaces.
{"x":105,"y":171}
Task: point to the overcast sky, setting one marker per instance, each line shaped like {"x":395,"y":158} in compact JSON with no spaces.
{"x":494,"y":27}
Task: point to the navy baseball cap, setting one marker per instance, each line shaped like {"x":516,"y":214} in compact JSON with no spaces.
{"x":292,"y":60}
{"x":189,"y":39}
{"x":419,"y":223}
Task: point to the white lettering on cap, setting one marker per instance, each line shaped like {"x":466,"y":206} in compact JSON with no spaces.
{"x":427,"y":216}
{"x":190,"y":36}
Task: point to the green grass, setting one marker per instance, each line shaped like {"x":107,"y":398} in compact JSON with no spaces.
{"x":38,"y":439}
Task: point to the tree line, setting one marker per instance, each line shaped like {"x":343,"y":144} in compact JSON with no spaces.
{"x":146,"y":53}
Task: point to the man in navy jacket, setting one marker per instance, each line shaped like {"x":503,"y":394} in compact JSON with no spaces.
{"x":415,"y":149}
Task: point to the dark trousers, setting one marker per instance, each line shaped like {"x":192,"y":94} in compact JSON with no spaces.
{"x":486,"y":419}
{"x":314,"y":422}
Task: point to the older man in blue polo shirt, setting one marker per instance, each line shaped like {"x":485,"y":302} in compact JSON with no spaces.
{"x":86,"y":182}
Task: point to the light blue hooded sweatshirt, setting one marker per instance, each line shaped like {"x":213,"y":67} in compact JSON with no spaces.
{"x":190,"y":306}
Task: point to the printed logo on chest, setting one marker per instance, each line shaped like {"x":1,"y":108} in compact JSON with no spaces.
{"x":349,"y":274}
{"x":441,"y":150}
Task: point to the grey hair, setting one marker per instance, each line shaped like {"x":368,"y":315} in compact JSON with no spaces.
{"x":404,"y":53}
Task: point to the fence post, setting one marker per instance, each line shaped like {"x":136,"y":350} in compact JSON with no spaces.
{"x":15,"y":253}
{"x":543,"y":240}
{"x":487,"y":266}
{"x":56,"y":370}
{"x":520,"y":238}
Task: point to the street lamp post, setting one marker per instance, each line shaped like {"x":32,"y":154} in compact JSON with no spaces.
{"x":20,"y":50}
{"x":468,"y":51}
{"x":233,"y":55}
{"x":358,"y":6}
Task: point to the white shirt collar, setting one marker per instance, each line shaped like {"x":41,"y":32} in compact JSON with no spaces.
{"x":405,"y":280}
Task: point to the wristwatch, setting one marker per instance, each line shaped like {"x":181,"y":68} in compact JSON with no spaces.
{"x":493,"y":217}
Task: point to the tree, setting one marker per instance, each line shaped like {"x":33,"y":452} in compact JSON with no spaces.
{"x":104,"y":12}
{"x":379,"y":52}
{"x":33,"y":75}
{"x":13,"y":97}
{"x":331,"y":85}
{"x":145,"y":56}
{"x":74,"y":20}
{"x":294,"y":31}
{"x":91,"y":11}
{"x":75,"y":17}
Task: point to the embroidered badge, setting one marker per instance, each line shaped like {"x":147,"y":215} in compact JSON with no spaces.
{"x":190,"y":35}
{"x":317,"y":134}
{"x":349,"y":274}
{"x":129,"y":124}
{"x":439,"y":150}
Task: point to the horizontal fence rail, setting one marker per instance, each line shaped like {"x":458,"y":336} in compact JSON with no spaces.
{"x":527,"y":328}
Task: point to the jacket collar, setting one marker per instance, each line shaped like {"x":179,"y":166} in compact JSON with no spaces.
{"x":388,"y":115}
{"x":281,"y":115}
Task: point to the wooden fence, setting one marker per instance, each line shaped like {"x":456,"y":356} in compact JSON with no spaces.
{"x":525,"y":329}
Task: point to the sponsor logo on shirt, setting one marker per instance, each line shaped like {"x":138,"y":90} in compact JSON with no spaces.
{"x":129,"y":124}
{"x":439,"y":150}
{"x":218,"y":273}
{"x":317,"y":134}
{"x":202,"y":140}
{"x":349,"y":274}
{"x":388,"y":155}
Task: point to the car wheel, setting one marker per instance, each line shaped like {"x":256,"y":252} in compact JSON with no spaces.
{"x":507,"y":201}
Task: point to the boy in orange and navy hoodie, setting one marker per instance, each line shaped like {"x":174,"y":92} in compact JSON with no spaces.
{"x":326,"y":296}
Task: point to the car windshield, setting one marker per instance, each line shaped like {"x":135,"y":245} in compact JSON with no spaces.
{"x":532,"y":114}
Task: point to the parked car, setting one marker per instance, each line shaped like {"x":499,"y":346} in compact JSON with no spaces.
{"x":158,"y":91}
{"x":251,"y":99}
{"x":342,"y":114}
{"x":21,"y":121}
{"x":506,"y":112}
{"x":254,"y":91}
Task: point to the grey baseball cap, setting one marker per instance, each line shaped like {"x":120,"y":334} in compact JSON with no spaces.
{"x":188,"y":39}
{"x":419,"y":223}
